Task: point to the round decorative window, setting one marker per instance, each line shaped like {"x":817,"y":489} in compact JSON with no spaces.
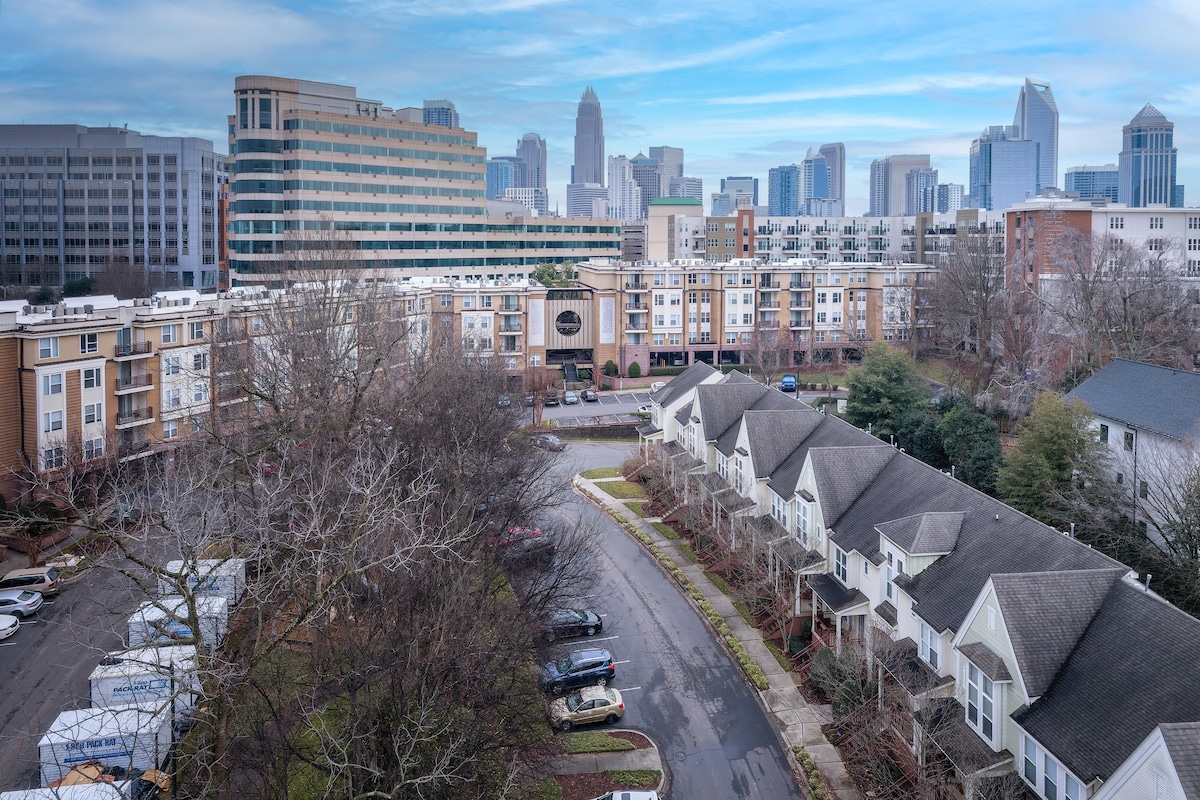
{"x":568,"y":323}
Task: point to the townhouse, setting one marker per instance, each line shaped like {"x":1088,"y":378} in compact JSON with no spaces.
{"x":1020,"y":655}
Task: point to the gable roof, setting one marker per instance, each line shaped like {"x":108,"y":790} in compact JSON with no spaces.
{"x":721,"y":405}
{"x":1045,"y":613}
{"x":932,"y":533}
{"x":684,"y":382}
{"x":842,"y":473}
{"x":773,"y":435}
{"x":1183,"y":744}
{"x":1157,"y":399}
{"x":1133,"y":669}
{"x":831,"y":431}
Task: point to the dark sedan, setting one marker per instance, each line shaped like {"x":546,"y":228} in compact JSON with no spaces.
{"x":570,"y":622}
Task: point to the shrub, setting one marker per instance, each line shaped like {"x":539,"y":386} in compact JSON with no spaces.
{"x":635,"y":370}
{"x":610,"y":368}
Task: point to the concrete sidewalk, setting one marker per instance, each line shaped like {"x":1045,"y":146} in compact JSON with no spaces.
{"x":795,"y":721}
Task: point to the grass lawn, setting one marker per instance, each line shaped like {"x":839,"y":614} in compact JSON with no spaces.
{"x":594,"y":742}
{"x":641,"y":509}
{"x":634,"y":778}
{"x":665,"y":530}
{"x":623,"y":490}
{"x":603,"y":472}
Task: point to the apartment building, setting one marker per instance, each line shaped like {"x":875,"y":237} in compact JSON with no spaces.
{"x":79,"y":201}
{"x":1022,"y":661}
{"x":324,"y":179}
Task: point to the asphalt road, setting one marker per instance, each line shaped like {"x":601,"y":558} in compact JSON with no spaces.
{"x":679,"y":685}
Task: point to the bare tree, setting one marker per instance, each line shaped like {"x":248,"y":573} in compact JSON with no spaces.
{"x":968,"y":301}
{"x":771,"y":350}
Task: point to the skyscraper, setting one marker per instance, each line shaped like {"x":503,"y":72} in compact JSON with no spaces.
{"x":785,"y":190}
{"x":920,"y":190}
{"x":647,"y":174}
{"x":589,"y":141}
{"x":1092,"y":182}
{"x":670,"y":159}
{"x":1003,"y":169}
{"x":502,"y":173}
{"x":835,"y":164}
{"x":741,"y":185}
{"x":440,"y":112}
{"x":887,"y":183}
{"x":624,"y":195}
{"x":531,"y":152}
{"x":950,"y":197}
{"x":1036,"y":119}
{"x":684,"y":186}
{"x":1148,"y":160}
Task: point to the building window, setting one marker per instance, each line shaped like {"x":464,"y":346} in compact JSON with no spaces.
{"x":1143,"y":489}
{"x":170,"y":365}
{"x":199,"y":392}
{"x":52,"y":384}
{"x":48,"y":348}
{"x":1156,"y":223}
{"x":93,"y":412}
{"x":93,"y":448}
{"x":981,"y":708}
{"x":841,"y":565}
{"x":52,"y":421}
{"x":171,"y":398}
{"x":257,"y":324}
{"x":1029,"y":762}
{"x":1129,"y":440}
{"x":895,"y":566}
{"x":1116,"y":223}
{"x":1104,"y":434}
{"x":91,"y":378}
{"x":930,"y":645}
{"x":89,"y":343}
{"x":170,"y":428}
{"x":170,"y":334}
{"x":535,"y":361}
{"x":53,"y":457}
{"x":199,"y":362}
{"x":195,"y":330}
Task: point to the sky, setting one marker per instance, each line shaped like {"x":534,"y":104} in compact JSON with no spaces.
{"x":741,"y":86}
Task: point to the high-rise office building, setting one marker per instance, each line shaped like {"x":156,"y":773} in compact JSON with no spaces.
{"x":887,"y":183}
{"x":670,"y":159}
{"x":89,"y":200}
{"x":1148,"y":161}
{"x":440,"y":112}
{"x":503,"y":172}
{"x":647,"y":174}
{"x":624,"y":195}
{"x":741,"y":185}
{"x":920,"y":190}
{"x":835,"y":164}
{"x":814,"y":177}
{"x":589,"y":141}
{"x":587,"y":200}
{"x":950,"y":197}
{"x":685,"y":186}
{"x":1003,"y":168}
{"x":1093,"y":182}
{"x":1036,"y":119}
{"x":785,"y":193}
{"x":531,"y":152}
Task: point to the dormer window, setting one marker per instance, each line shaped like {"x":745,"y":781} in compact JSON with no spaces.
{"x":981,"y":703}
{"x":803,"y":513}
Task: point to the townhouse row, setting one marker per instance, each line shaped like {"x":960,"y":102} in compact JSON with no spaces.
{"x":1023,"y":655}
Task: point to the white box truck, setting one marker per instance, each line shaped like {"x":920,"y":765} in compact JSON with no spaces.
{"x":164,"y":621}
{"x":130,"y":737}
{"x":147,"y":675}
{"x":224,"y":577}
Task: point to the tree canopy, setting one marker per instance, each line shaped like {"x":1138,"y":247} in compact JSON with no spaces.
{"x":882,"y":389}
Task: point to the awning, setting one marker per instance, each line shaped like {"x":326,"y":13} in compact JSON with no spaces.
{"x":837,"y":597}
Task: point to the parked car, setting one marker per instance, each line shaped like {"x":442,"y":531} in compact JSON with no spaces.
{"x":589,"y":704}
{"x":8,"y":625}
{"x":578,"y":668}
{"x":570,"y":622}
{"x":504,"y":401}
{"x":550,"y":398}
{"x":590,"y":396}
{"x":527,"y":401}
{"x":787,"y":383}
{"x":548,"y":441}
{"x":570,"y":398}
{"x":645,"y":408}
{"x":19,"y":602}
{"x":35,"y":579}
{"x":518,"y":545}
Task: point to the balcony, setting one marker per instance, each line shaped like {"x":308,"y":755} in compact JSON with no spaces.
{"x":769,"y":285}
{"x":634,"y":286}
{"x":137,"y":416}
{"x":510,"y":328}
{"x":634,"y":308}
{"x":132,"y":349}
{"x":801,"y":285}
{"x":510,"y":308}
{"x":510,"y":350}
{"x":769,"y":304}
{"x":134,"y":383}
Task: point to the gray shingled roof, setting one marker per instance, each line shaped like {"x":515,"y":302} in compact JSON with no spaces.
{"x":835,"y":595}
{"x":831,"y":431}
{"x":933,"y":533}
{"x":1134,"y":669}
{"x":689,"y":379}
{"x":1183,"y":743}
{"x":721,"y":405}
{"x":986,"y":659}
{"x":1158,"y":399}
{"x":685,"y":412}
{"x":773,"y":435}
{"x":1045,"y":613}
{"x":842,"y":473}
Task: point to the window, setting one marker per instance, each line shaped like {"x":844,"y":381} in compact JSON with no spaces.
{"x":93,"y":448}
{"x":895,"y":566}
{"x":170,"y":365}
{"x":93,"y":412}
{"x":1156,"y":223}
{"x":171,"y":398}
{"x":52,"y":384}
{"x":468,"y":301}
{"x":802,"y":516}
{"x":1129,"y":440}
{"x":199,"y":362}
{"x":91,"y":378}
{"x":447,"y":300}
{"x":170,"y":334}
{"x":1029,"y":765}
{"x":89,"y":343}
{"x":52,"y":421}
{"x":1049,"y":777}
{"x":841,"y":565}
{"x":1116,"y":223}
{"x":535,"y":361}
{"x":170,"y":428}
{"x":195,"y":330}
{"x":1104,"y":433}
{"x":930,"y":645}
{"x":199,"y":392}
{"x":53,"y":457}
{"x":1143,"y":489}
{"x":257,"y":325}
{"x":981,"y":708}
{"x":48,"y":348}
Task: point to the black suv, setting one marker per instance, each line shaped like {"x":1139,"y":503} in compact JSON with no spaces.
{"x":579,"y":668}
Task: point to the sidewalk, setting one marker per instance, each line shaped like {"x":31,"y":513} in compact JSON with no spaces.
{"x":796,"y":723}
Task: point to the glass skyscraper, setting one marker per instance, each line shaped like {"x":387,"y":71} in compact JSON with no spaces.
{"x":589,"y":141}
{"x":1036,"y":119}
{"x":1148,"y":161}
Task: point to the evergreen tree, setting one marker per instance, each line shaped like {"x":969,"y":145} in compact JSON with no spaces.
{"x":882,"y":389}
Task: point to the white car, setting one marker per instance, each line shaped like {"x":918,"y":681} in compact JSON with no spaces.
{"x":646,"y":409}
{"x":19,"y":602}
{"x":8,"y":625}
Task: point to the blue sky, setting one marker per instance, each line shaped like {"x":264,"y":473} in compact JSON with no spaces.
{"x":741,"y":86}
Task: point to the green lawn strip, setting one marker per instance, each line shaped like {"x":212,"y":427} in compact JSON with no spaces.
{"x":686,"y":549}
{"x":594,"y":742}
{"x":719,"y":582}
{"x":603,"y":472}
{"x":665,"y":530}
{"x":641,"y":509}
{"x":622,"y":490}
{"x":634,"y":778}
{"x":744,"y":610}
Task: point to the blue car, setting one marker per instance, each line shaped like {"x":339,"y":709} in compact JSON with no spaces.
{"x":579,"y":668}
{"x":787,"y":383}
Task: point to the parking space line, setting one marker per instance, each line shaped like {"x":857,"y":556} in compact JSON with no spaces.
{"x":623,"y":662}
{"x":625,"y":689}
{"x":602,"y":638}
{"x":8,"y":644}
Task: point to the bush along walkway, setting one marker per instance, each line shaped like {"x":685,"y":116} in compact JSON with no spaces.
{"x":795,"y":722}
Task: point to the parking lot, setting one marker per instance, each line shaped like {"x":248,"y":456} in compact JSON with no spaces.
{"x":610,"y":408}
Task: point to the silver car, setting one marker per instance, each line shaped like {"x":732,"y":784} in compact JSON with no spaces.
{"x":19,"y":603}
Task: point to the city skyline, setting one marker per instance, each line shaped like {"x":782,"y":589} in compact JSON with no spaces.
{"x":735,"y":97}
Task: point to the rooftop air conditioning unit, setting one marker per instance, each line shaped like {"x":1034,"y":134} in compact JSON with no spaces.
{"x":89,"y":308}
